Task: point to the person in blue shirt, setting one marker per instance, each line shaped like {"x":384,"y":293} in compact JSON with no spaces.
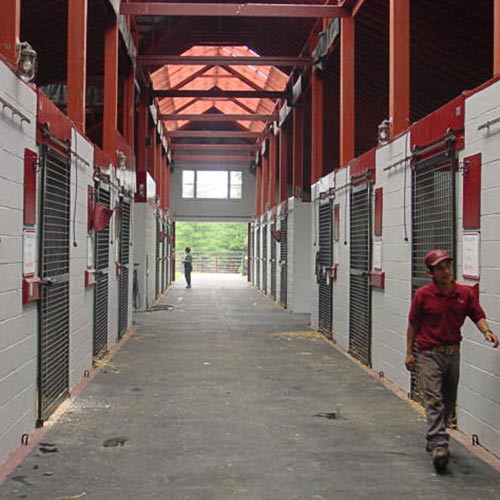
{"x":188,"y":266}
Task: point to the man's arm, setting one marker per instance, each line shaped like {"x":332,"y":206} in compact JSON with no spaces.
{"x":411,"y":331}
{"x":484,"y":328}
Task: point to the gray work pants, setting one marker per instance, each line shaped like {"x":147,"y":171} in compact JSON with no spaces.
{"x":440,"y":373}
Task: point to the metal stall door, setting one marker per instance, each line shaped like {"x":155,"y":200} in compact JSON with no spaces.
{"x":53,"y":375}
{"x":360,"y":299}
{"x":257,"y":258}
{"x":433,"y":222}
{"x":124,"y":267}
{"x":264,"y":258}
{"x":163,"y":258}
{"x":323,"y":269}
{"x":283,"y":260}
{"x":273,"y":260}
{"x":158,"y":259}
{"x":102,"y":195}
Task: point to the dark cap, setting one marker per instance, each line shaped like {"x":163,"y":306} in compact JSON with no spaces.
{"x":434,"y":257}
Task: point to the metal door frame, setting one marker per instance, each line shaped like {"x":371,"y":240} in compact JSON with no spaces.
{"x":124,"y":260}
{"x":324,"y":265}
{"x":53,"y":346}
{"x":264,"y":258}
{"x":360,"y":290}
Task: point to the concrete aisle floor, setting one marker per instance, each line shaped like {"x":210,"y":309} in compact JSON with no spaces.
{"x":221,"y":398}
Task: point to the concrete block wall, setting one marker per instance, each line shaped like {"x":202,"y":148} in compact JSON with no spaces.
{"x":479,"y":391}
{"x":81,"y":298}
{"x":390,"y":306}
{"x":18,"y":323}
{"x":340,"y":311}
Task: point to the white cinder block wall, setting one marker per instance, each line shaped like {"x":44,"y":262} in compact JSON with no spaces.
{"x":390,"y":306}
{"x":81,"y":298}
{"x":340,"y":293}
{"x":479,"y":390}
{"x":18,"y":323}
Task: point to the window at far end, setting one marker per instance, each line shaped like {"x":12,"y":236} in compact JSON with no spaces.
{"x":212,"y":184}
{"x":188,"y":184}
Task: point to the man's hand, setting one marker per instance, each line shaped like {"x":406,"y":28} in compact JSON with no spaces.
{"x":410,"y":362}
{"x":491,"y":337}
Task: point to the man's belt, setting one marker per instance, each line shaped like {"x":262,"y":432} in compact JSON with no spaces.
{"x":445,"y":349}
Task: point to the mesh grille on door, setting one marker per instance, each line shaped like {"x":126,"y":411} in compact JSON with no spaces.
{"x":433,"y":223}
{"x":158,"y":258}
{"x":283,"y":261}
{"x":124,"y":269}
{"x":324,"y":264}
{"x":102,"y":278}
{"x":264,"y":258}
{"x":359,"y":282}
{"x":164,"y":260}
{"x":273,"y":260}
{"x":54,"y":303}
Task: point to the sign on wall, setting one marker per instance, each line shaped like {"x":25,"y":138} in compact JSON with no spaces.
{"x":28,"y":252}
{"x":471,"y":251}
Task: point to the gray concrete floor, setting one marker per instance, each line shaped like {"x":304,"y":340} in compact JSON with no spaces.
{"x":222,"y":398}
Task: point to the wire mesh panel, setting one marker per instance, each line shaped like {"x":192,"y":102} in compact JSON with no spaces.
{"x":101,"y":253}
{"x":54,"y":303}
{"x":324,"y":263}
{"x":360,"y":329}
{"x":124,"y":267}
{"x":273,"y":260}
{"x":257,"y":258}
{"x":158,"y":258}
{"x":433,"y":223}
{"x":164,"y":259}
{"x":283,"y":261}
{"x":264,"y":258}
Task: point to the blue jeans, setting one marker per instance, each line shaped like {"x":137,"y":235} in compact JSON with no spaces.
{"x":440,"y":371}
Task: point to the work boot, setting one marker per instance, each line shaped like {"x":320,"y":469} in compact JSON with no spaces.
{"x":440,"y":458}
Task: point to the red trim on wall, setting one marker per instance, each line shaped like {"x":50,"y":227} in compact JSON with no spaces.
{"x":30,"y":162}
{"x":472,"y":192}
{"x":377,"y":279}
{"x":379,"y":193}
{"x":49,"y":114}
{"x":362,"y":164}
{"x":101,"y":159}
{"x":437,"y":123}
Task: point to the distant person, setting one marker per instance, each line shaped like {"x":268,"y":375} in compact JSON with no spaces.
{"x":188,"y":266}
{"x":438,"y":311}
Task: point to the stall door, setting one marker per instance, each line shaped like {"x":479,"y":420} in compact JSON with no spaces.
{"x":124,"y":267}
{"x":433,"y":222}
{"x":323,"y":268}
{"x":273,"y":260}
{"x":264,"y":258}
{"x":283,"y":260}
{"x":360,"y":300}
{"x":158,"y":259}
{"x":257,"y":258}
{"x":53,"y":376}
{"x":101,"y":253}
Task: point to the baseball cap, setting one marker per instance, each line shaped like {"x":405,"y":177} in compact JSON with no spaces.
{"x":434,"y":257}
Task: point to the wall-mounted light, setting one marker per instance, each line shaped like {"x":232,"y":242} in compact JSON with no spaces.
{"x":26,"y":66}
{"x":384,"y":131}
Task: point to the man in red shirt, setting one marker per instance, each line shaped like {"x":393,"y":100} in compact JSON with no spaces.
{"x":438,"y":311}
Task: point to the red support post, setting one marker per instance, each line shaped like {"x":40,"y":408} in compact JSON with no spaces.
{"x":129,"y":109}
{"x":152,"y":151}
{"x":272,"y":169}
{"x":496,"y":36}
{"x":110,"y":115}
{"x":77,"y":62}
{"x":347,"y":91}
{"x":142,"y":132}
{"x":283,"y":166}
{"x":258,"y":189}
{"x":10,"y":27}
{"x":298,"y":149}
{"x":316,"y":128}
{"x":265,"y":185}
{"x":399,"y":66}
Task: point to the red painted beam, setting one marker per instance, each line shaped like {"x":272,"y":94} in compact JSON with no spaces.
{"x":215,"y":92}
{"x":215,"y":117}
{"x":161,"y":60}
{"x":298,"y":149}
{"x":10,"y":27}
{"x":399,"y":65}
{"x":77,"y":62}
{"x":231,"y":10}
{"x":110,"y":112}
{"x":347,"y":91}
{"x":213,"y":147}
{"x":214,"y":134}
{"x":213,"y":158}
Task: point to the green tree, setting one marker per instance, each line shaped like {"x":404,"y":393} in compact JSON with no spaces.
{"x":211,"y":236}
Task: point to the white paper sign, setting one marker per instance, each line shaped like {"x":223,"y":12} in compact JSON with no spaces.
{"x":377,"y":255}
{"x":470,"y":260}
{"x":28,"y":252}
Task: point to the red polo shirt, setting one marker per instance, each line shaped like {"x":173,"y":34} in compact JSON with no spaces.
{"x":439,"y":317}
